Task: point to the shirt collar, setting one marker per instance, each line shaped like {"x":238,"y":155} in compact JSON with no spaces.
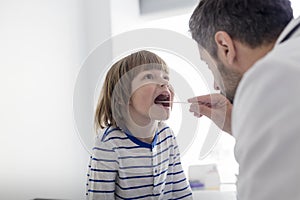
{"x":289,"y":31}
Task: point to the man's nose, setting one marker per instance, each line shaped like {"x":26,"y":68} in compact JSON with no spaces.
{"x":216,"y":86}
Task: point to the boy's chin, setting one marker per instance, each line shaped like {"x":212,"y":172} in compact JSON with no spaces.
{"x":160,"y":116}
{"x":159,"y":113}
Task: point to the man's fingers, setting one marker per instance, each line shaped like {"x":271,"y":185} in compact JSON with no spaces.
{"x":210,"y":99}
{"x":197,"y":115}
{"x":201,"y":99}
{"x":200,"y":110}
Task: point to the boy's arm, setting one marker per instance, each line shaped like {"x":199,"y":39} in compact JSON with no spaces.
{"x":102,"y":171}
{"x":181,"y":188}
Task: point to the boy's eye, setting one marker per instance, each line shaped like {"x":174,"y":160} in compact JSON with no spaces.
{"x":166,"y":78}
{"x":148,"y":76}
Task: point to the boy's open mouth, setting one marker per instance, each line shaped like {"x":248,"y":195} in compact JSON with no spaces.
{"x":163,"y":99}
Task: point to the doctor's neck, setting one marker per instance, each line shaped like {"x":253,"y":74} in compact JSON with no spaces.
{"x":247,"y":56}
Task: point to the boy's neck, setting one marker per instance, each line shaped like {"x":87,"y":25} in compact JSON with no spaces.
{"x":143,"y":133}
{"x":146,"y":140}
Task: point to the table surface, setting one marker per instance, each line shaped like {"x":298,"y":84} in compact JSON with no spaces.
{"x":226,"y":192}
{"x":214,"y":195}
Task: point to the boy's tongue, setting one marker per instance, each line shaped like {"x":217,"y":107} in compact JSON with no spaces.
{"x":162,"y":99}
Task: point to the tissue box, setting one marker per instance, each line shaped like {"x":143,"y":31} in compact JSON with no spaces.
{"x":204,"y":177}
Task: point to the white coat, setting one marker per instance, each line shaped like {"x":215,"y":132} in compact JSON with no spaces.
{"x":266,"y":123}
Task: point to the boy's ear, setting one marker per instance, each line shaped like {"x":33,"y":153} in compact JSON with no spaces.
{"x":225,"y":47}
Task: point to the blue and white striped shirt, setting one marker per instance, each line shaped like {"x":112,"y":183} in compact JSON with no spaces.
{"x":123,"y":167}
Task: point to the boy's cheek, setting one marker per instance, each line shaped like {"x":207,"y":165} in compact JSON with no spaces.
{"x":142,"y":85}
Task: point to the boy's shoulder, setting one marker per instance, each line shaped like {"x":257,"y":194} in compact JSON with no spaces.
{"x":109,"y":132}
{"x":164,"y":129}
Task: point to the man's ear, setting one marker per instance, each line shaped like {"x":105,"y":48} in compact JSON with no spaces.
{"x":226,"y":48}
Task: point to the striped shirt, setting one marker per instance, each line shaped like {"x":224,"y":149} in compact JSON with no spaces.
{"x":123,"y":167}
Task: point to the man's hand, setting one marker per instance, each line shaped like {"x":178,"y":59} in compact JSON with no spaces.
{"x":214,"y":106}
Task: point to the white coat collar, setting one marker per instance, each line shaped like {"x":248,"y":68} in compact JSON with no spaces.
{"x":288,"y":29}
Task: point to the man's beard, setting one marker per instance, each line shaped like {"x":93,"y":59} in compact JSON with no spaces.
{"x":230,"y":80}
{"x":229,"y":98}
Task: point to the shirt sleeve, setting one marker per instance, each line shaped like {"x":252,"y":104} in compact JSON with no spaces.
{"x":102,"y":171}
{"x":266,"y":127}
{"x":181,"y":189}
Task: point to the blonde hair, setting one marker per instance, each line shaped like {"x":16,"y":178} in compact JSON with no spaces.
{"x":116,"y":90}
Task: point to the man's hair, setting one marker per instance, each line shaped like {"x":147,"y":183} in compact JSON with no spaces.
{"x":251,"y":22}
{"x":116,"y":89}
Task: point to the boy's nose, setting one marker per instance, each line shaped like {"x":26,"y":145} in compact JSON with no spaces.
{"x":164,"y":83}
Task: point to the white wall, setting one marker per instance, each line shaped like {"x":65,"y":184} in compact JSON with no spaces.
{"x":42,"y":45}
{"x":124,"y":14}
{"x":296,"y":7}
